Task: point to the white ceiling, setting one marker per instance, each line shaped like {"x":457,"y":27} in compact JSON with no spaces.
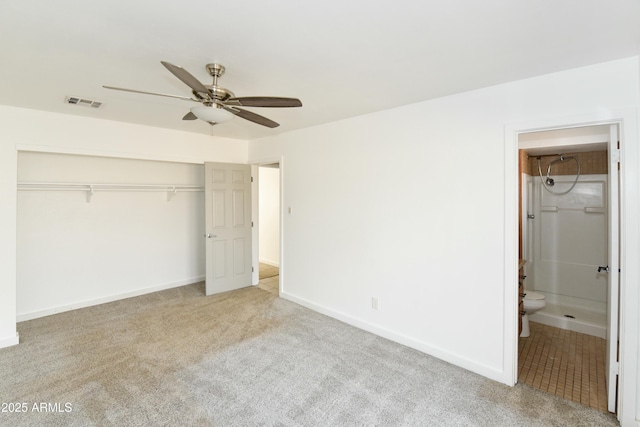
{"x":341,"y":58}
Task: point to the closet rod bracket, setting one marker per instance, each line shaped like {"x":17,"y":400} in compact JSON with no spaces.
{"x":172,"y":192}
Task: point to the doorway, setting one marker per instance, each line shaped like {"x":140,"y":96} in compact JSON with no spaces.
{"x":269,"y":227}
{"x":565,"y":230}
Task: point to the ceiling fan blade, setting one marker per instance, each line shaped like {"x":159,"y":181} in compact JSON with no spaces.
{"x":190,"y":116}
{"x":186,"y":77}
{"x":185,"y":98}
{"x":252,"y":117}
{"x":264,"y":101}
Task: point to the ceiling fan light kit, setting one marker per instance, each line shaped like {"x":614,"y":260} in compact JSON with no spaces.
{"x":214,"y":114}
{"x":219,"y":105}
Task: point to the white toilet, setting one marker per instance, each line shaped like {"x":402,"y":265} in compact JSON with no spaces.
{"x":533,"y":301}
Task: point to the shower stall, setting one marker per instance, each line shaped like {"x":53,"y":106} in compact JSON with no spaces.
{"x":564,"y":225}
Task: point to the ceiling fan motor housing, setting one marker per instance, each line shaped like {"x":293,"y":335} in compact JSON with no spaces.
{"x":217,"y":93}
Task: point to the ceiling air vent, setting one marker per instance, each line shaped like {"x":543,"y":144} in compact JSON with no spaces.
{"x":81,"y":101}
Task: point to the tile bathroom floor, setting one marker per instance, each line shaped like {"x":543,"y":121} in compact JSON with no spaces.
{"x":568,"y":364}
{"x":269,"y":278}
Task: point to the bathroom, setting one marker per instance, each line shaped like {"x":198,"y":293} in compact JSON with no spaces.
{"x":564,"y":231}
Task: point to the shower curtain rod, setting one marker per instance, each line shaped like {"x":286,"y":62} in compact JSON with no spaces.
{"x":544,"y":155}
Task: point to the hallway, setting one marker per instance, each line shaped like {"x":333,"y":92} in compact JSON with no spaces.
{"x":269,"y":278}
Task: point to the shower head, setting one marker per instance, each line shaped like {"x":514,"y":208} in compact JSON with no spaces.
{"x":550,"y":182}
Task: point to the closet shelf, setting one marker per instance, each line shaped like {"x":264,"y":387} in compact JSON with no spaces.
{"x":90,"y":189}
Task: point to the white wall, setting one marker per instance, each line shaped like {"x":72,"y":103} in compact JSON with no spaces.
{"x":632,"y":385}
{"x":408,"y":206}
{"x":31,"y":130}
{"x":8,"y":191}
{"x":71,"y":253}
{"x":269,"y":215}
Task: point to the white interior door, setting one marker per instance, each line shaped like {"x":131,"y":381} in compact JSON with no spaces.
{"x":228,"y":226}
{"x":613,"y":277}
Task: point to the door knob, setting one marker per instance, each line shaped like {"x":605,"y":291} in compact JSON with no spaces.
{"x":605,"y":269}
{"x":210,"y":236}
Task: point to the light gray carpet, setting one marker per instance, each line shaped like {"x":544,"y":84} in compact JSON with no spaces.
{"x":247,"y":358}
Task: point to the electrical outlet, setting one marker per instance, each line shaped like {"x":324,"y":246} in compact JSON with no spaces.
{"x":374,"y":303}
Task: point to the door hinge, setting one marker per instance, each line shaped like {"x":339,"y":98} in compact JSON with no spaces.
{"x":251,"y":179}
{"x":617,"y":368}
{"x":252,"y":223}
{"x":615,"y":155}
{"x":252,"y":269}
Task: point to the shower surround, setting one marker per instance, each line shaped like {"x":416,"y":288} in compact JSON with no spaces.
{"x":566,"y":241}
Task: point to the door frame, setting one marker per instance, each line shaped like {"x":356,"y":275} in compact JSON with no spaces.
{"x":627,"y":121}
{"x":255,"y":211}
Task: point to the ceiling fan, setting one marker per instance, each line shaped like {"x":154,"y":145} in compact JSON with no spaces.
{"x":219,"y":104}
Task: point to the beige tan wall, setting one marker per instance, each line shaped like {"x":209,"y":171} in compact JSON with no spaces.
{"x":594,"y":162}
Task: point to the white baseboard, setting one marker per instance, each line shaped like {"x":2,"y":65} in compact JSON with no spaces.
{"x":271,"y":263}
{"x":447,"y":356}
{"x":21,"y":317}
{"x":8,"y":342}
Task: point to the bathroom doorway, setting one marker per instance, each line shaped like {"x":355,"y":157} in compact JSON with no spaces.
{"x":565,"y":213}
{"x":269,"y":227}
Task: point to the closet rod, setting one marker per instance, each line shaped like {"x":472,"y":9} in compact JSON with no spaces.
{"x":170,"y":189}
{"x":106,"y":187}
